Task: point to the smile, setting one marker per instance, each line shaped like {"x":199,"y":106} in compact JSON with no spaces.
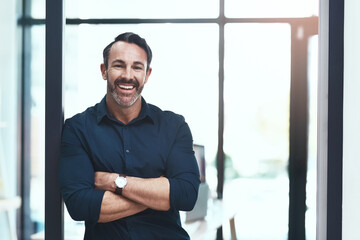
{"x":126,"y":87}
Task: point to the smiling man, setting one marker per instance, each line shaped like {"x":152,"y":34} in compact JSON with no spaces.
{"x":128,"y":167}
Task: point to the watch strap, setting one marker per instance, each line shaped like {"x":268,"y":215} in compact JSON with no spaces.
{"x":118,"y":190}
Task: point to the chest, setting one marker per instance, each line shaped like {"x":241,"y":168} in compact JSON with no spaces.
{"x":140,"y":150}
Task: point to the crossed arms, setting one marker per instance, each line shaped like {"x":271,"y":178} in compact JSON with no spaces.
{"x":87,"y":185}
{"x":138,"y":195}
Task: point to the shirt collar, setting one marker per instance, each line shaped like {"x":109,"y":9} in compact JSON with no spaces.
{"x":145,"y":112}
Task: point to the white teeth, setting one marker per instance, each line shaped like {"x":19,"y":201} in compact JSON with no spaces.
{"x":126,"y":87}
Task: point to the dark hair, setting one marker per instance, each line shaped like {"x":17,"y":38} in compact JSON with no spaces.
{"x":129,"y":37}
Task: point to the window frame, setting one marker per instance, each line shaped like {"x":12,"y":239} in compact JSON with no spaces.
{"x":55,"y":23}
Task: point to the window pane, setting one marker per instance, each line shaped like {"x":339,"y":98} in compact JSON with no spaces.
{"x":133,"y":9}
{"x":184,"y":78}
{"x":271,"y":8}
{"x":37,"y":9}
{"x":37,"y":129}
{"x":312,"y":156}
{"x":142,"y":9}
{"x":9,"y":133}
{"x":256,"y":134}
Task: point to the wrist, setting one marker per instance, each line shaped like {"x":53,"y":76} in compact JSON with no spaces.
{"x":120,"y":183}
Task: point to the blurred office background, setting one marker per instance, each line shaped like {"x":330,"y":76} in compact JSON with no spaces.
{"x":221,"y":68}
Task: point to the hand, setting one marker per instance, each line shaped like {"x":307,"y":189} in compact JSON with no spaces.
{"x":105,"y":181}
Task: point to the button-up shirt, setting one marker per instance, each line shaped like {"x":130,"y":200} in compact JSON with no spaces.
{"x":156,"y":143}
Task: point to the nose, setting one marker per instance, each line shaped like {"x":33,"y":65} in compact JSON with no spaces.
{"x":127,"y":73}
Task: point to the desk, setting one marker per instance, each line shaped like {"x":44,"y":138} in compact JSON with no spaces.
{"x":217,"y":214}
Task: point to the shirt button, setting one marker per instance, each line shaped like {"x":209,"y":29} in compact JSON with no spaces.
{"x":127,"y":150}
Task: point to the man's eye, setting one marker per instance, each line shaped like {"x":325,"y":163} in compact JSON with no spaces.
{"x":138,"y":68}
{"x":118,"y":66}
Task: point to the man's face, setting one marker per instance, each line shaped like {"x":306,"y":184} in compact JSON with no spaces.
{"x":126,"y":74}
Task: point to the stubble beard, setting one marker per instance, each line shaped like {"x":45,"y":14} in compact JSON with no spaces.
{"x":118,"y":97}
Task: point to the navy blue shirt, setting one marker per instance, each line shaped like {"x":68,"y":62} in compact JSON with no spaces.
{"x":156,"y":143}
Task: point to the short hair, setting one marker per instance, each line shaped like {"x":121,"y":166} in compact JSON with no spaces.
{"x":129,"y":37}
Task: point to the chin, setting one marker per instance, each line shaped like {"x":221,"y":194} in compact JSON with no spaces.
{"x":127,"y":103}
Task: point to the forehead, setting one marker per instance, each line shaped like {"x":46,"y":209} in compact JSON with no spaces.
{"x":127,"y":52}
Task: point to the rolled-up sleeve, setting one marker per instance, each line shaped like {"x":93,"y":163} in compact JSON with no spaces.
{"x":183,"y":171}
{"x":76,"y":178}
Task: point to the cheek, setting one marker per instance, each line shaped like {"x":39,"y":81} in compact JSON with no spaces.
{"x":143,"y":77}
{"x":111,"y":75}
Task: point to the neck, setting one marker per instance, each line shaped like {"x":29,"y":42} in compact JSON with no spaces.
{"x":123,"y":114}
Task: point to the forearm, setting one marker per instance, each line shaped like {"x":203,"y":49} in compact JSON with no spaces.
{"x":152,"y":192}
{"x":114,"y":207}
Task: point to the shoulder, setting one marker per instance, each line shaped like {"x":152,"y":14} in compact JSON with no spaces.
{"x":81,"y":119}
{"x":165,"y":116}
{"x":172,"y":125}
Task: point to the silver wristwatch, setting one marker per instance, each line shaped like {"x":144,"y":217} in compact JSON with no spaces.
{"x":120,"y":183}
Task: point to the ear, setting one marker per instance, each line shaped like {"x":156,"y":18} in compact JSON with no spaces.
{"x":103,"y":71}
{"x":148,"y":73}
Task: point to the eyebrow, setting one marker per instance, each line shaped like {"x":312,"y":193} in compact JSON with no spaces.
{"x":121,"y":61}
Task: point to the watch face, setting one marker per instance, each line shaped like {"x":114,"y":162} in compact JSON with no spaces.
{"x":120,"y":182}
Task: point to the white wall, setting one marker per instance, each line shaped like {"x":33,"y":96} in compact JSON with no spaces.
{"x":351,"y":147}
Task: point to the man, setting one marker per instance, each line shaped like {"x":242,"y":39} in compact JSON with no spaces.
{"x":126,"y":166}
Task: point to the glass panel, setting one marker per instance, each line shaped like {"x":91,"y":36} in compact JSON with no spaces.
{"x":9,"y":133}
{"x":271,"y":8}
{"x":256,"y":134}
{"x":37,"y":9}
{"x":310,"y":218}
{"x":184,"y":77}
{"x":142,"y":9}
{"x":37,"y":128}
